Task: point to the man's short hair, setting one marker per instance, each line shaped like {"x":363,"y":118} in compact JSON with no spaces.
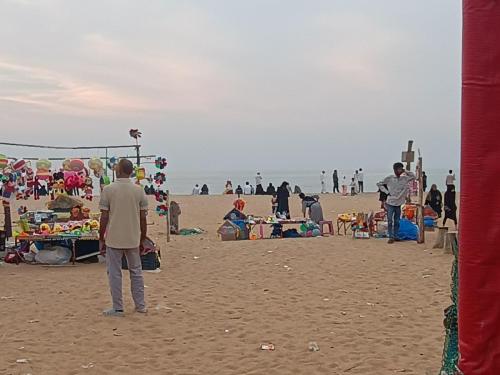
{"x":126,"y":166}
{"x":398,"y":165}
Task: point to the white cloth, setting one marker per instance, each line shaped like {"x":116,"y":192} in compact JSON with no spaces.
{"x":258,"y":180}
{"x":361,"y":177}
{"x":196,"y":190}
{"x":397,"y":188}
{"x":247,"y":190}
{"x":450,"y":179}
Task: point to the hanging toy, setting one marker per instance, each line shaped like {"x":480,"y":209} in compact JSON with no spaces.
{"x":4,"y":162}
{"x":160,"y":196}
{"x":112,"y":161}
{"x":95,"y":164}
{"x":160,"y":162}
{"x":162,"y":210}
{"x":160,"y":178}
{"x":140,"y":173}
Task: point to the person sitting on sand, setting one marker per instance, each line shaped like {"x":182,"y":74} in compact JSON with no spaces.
{"x":247,"y":190}
{"x":396,"y":187}
{"x":204,"y":190}
{"x":270,"y":189}
{"x":229,"y":187}
{"x":196,"y":190}
{"x":239,"y":190}
{"x":353,"y":185}
{"x":123,"y":228}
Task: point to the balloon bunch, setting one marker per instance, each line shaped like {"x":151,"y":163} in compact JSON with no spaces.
{"x":160,"y":162}
{"x":112,"y":161}
{"x":96,"y":165}
{"x":160,"y":178}
{"x":161,"y":196}
{"x":162,"y":210}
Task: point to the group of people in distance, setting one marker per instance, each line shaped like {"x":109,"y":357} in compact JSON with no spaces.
{"x":249,"y":189}
{"x":198,"y":191}
{"x":353,"y":187}
{"x":435,"y":200}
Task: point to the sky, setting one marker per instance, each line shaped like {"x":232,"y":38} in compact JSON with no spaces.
{"x":230,"y":84}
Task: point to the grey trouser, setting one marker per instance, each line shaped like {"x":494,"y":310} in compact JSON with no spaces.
{"x":114,"y":267}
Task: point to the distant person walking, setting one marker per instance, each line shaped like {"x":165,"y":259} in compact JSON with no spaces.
{"x":335,"y":182}
{"x":424,"y":181}
{"x":396,"y":187}
{"x":450,"y":179}
{"x":123,"y":228}
{"x":435,"y":200}
{"x":450,"y":205}
{"x":259,"y":190}
{"x":283,"y":194}
{"x":361,"y":179}
{"x":322,"y":179}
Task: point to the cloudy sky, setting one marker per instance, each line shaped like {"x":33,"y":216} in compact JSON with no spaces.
{"x":228,"y":84}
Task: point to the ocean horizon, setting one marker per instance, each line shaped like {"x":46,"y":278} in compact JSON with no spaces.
{"x":182,"y":182}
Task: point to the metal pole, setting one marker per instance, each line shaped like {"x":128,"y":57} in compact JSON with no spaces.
{"x":421,"y":228}
{"x":106,"y":164}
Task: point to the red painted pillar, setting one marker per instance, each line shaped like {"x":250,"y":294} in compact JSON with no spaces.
{"x":479,"y":257}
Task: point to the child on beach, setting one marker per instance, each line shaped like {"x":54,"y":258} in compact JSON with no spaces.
{"x":353,"y":185}
{"x":344,"y":186}
{"x":274,"y":203}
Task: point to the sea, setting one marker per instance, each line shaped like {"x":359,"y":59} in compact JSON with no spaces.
{"x":182,"y":182}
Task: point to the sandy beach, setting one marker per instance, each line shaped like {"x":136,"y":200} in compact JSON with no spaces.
{"x":371,"y":307}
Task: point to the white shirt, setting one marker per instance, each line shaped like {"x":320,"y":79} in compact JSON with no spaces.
{"x":322,"y":178}
{"x":344,"y":181}
{"x":258,"y":180}
{"x":450,"y":179}
{"x":196,"y":190}
{"x":360,"y":177}
{"x":247,"y":190}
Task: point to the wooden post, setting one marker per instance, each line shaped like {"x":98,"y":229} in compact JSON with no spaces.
{"x":450,"y":241}
{"x":420,"y":210}
{"x":442,"y":233}
{"x":7,"y":225}
{"x":168,"y":216}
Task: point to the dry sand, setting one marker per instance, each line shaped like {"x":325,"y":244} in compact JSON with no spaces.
{"x":372,"y":308}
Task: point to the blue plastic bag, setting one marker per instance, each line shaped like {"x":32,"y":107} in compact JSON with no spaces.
{"x":407,"y":230}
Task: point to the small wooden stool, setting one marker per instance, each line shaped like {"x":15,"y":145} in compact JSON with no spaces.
{"x":330,"y":226}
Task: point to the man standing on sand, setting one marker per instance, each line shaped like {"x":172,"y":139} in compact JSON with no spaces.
{"x":323,"y":182}
{"x":396,"y":187}
{"x":122,"y":230}
{"x":259,"y":190}
{"x":361,"y":179}
{"x":450,"y":179}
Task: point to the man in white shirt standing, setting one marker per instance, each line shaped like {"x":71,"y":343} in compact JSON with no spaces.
{"x":259,"y":190}
{"x":396,"y":187}
{"x":450,"y":179}
{"x":322,"y":178}
{"x":361,"y":178}
{"x":123,"y":228}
